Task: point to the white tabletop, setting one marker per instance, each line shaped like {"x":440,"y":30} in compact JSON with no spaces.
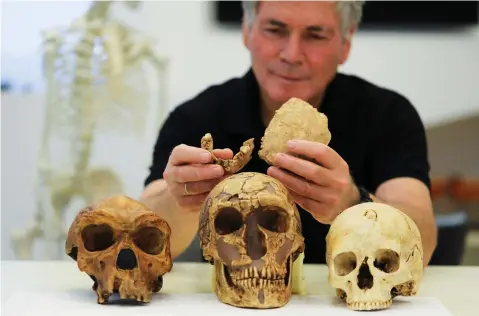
{"x":456,"y":287}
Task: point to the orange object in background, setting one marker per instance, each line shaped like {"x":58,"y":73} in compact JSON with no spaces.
{"x":457,"y":188}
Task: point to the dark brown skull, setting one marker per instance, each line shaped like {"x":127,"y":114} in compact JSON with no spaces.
{"x":124,"y":247}
{"x":251,"y":231}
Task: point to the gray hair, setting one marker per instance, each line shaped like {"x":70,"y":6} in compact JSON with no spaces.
{"x":350,"y":13}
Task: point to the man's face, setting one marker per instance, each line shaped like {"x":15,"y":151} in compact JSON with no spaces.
{"x":295,"y":49}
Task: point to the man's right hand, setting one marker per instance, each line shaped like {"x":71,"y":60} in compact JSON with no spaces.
{"x":190,"y":174}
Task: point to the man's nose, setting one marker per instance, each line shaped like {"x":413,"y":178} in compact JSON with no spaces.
{"x":292,"y":51}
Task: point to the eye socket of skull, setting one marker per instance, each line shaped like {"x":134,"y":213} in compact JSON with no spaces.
{"x":387,"y":260}
{"x":274,"y":219}
{"x":97,"y":237}
{"x":228,"y":220}
{"x":345,"y":263}
{"x":150,"y":240}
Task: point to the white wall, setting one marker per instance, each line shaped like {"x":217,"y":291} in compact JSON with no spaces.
{"x":438,"y":72}
{"x":21,"y":42}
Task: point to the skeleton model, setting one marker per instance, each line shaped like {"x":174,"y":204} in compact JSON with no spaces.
{"x":96,"y":81}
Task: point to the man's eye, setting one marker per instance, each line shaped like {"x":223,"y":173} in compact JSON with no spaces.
{"x":272,"y":30}
{"x":317,"y":37}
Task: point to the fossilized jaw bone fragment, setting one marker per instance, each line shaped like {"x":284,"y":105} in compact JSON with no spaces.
{"x":296,"y":119}
{"x":374,"y":253}
{"x":122,"y":246}
{"x":234,"y":165}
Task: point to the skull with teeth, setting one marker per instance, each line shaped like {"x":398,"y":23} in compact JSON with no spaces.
{"x":251,"y":231}
{"x":124,"y":247}
{"x":374,"y":253}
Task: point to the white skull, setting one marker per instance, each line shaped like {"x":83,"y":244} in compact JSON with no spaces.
{"x":374,"y":253}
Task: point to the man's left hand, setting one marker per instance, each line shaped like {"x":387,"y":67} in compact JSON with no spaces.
{"x":324,"y":187}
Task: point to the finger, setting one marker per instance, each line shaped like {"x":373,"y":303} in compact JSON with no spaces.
{"x":303,"y":168}
{"x":320,"y":211}
{"x":305,"y":188}
{"x":223,"y":153}
{"x":196,"y":187}
{"x":192,"y":202}
{"x":321,"y":153}
{"x":184,"y":154}
{"x":192,"y":173}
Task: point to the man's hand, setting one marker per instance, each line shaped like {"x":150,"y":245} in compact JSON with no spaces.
{"x":191,"y":174}
{"x":324,"y":187}
{"x":187,"y":180}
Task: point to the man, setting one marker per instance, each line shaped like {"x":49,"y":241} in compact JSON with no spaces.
{"x":378,"y":147}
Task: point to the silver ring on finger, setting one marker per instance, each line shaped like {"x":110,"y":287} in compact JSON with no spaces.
{"x":186,"y":190}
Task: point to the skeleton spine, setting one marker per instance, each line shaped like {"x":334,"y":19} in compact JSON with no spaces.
{"x":82,"y":97}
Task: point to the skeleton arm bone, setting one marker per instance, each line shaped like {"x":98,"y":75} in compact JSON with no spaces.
{"x":143,"y":50}
{"x":112,"y":36}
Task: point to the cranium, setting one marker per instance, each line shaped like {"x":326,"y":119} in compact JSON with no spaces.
{"x":250,"y":230}
{"x":374,"y":253}
{"x":296,"y":119}
{"x":123,"y":246}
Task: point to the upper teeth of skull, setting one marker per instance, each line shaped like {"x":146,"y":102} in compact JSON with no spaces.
{"x":260,"y":283}
{"x":266,"y":278}
{"x":269,"y":273}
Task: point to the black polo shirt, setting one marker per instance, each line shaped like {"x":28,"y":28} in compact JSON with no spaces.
{"x":377,"y":132}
